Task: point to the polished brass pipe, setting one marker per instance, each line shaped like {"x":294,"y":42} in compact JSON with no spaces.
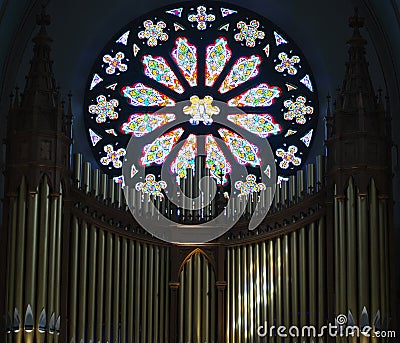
{"x":182,"y":306}
{"x":292,"y":188}
{"x":310,"y":171}
{"x":83,"y":271}
{"x":265,"y":284}
{"x":286,"y":280}
{"x":294,"y":259}
{"x":213,"y":318}
{"x":31,"y":250}
{"x":250,"y":292}
{"x":383,"y":256}
{"x":374,"y":249}
{"x":338,"y":271}
{"x":91,"y":289}
{"x":116,"y":287}
{"x":300,"y":183}
{"x":131,"y":291}
{"x":363,"y":268}
{"x":111,"y":192}
{"x":77,"y":169}
{"x":312,"y":281}
{"x":257,"y":287}
{"x":197,"y":298}
{"x":321,"y":272}
{"x":351,"y":231}
{"x":303,"y":280}
{"x":103,"y":186}
{"x":150,"y":299}
{"x":342,"y":254}
{"x":245,"y":303}
{"x":167,"y":302}
{"x":164,"y":278}
{"x":43,"y":255}
{"x":278,"y":280}
{"x":138,"y":275}
{"x":124,"y":286}
{"x":108,"y":291}
{"x":86,"y":186}
{"x":239,"y":299}
{"x":100,"y":262}
{"x":96,"y":182}
{"x":206,"y":301}
{"x":57,"y":291}
{"x":73,"y":293}
{"x":144,"y":293}
{"x":52,"y":257}
{"x":189,"y":300}
{"x":320,"y":166}
{"x":156,"y":292}
{"x":229,"y":295}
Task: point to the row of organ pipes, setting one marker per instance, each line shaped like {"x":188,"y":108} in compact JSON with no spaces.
{"x":288,"y":192}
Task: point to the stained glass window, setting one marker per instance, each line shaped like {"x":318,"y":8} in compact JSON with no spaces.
{"x":159,"y":78}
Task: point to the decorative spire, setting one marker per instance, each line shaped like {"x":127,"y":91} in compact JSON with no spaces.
{"x":357,"y":89}
{"x":41,"y":93}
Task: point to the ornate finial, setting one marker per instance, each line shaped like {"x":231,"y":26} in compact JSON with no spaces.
{"x":69,"y":111}
{"x":356,"y":22}
{"x":43,"y":19}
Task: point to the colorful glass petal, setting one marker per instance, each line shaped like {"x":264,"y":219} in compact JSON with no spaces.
{"x":262,"y":125}
{"x":140,"y":124}
{"x":226,"y":11}
{"x":307,"y":82}
{"x":279,"y":39}
{"x":244,"y":69}
{"x":261,"y":95}
{"x":244,"y":151}
{"x":288,"y":157}
{"x":158,"y":151}
{"x":185,"y":56}
{"x":94,"y":137}
{"x":306,"y":139}
{"x":113,"y":156}
{"x":124,"y":38}
{"x":157,"y":68}
{"x":216,"y":161}
{"x":217,"y":55}
{"x":142,"y":95}
{"x":176,"y":12}
{"x":185,"y":158}
{"x":95,"y":81}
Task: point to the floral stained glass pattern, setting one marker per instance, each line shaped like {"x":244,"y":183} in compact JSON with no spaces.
{"x":185,"y":56}
{"x":142,"y":95}
{"x":139,"y":125}
{"x":288,"y":157}
{"x":115,"y":63}
{"x":153,"y":32}
{"x":249,"y":186}
{"x":217,"y":55}
{"x":216,"y":161}
{"x":158,"y":151}
{"x":287,"y":63}
{"x":104,"y":109}
{"x":261,"y":95}
{"x":185,"y":157}
{"x":297,"y":109}
{"x":262,"y":125}
{"x":202,"y":18}
{"x":113,"y":156}
{"x":244,"y":151}
{"x":151,"y":187}
{"x":201,"y":110}
{"x":244,"y":69}
{"x":249,"y":33}
{"x":157,"y":68}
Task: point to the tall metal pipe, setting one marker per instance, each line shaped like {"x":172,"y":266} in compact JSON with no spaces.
{"x":239,"y":300}
{"x":278,"y":280}
{"x":124,"y":287}
{"x":150,"y":299}
{"x":342,"y":254}
{"x":108,"y":290}
{"x":250,"y":291}
{"x":303,"y":280}
{"x":189,"y":302}
{"x":100,"y":263}
{"x":86,"y":185}
{"x":363,"y":268}
{"x":131,"y":291}
{"x":91,"y":291}
{"x":138,"y":275}
{"x":312,"y":281}
{"x":294,"y":261}
{"x":374,"y":248}
{"x":182,"y":306}
{"x":383,"y":256}
{"x":83,"y":271}
{"x":73,"y":288}
{"x":116,"y":287}
{"x":78,"y":170}
{"x":321,"y":272}
{"x":206,"y":301}
{"x":96,"y":182}
{"x":286,"y":280}
{"x":300,"y":183}
{"x":43,"y":254}
{"x":156,"y":292}
{"x":197,"y":298}
{"x":310,"y":168}
{"x":144,"y":294}
{"x":164,"y":278}
{"x":351,"y":240}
